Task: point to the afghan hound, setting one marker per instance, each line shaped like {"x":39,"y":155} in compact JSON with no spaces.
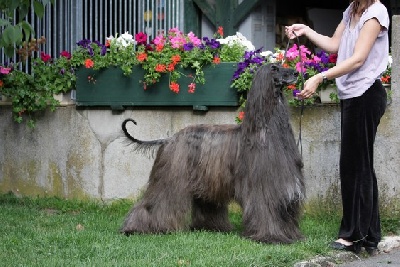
{"x":202,"y":168}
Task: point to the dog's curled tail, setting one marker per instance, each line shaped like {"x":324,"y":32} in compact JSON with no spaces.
{"x":141,"y":145}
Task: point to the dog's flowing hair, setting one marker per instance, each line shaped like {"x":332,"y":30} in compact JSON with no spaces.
{"x":200,"y":169}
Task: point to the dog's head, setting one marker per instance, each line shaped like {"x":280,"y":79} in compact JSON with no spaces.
{"x":281,"y":75}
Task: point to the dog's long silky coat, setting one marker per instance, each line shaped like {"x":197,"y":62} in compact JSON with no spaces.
{"x":200,"y":169}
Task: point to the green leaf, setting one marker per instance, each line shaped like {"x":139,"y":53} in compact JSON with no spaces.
{"x":38,"y":7}
{"x":28,"y":30}
{"x":13,"y":4}
{"x":4,"y":22}
{"x":23,"y":10}
{"x":16,"y":35}
{"x":6,"y":36}
{"x":9,"y":51}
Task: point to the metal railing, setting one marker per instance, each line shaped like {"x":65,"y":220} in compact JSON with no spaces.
{"x":68,"y":21}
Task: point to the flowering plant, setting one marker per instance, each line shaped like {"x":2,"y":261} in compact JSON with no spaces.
{"x":32,"y":92}
{"x":165,"y":55}
{"x":299,"y":58}
{"x":308,"y":64}
{"x":386,"y":75}
{"x":116,"y":52}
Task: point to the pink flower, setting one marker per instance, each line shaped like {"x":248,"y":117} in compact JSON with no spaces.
{"x":194,"y":39}
{"x":174,"y":32}
{"x":159,"y":40}
{"x":177,"y":41}
{"x":4,"y":70}
{"x":293,"y":52}
{"x":317,"y":59}
{"x":141,"y":38}
{"x":191,"y":88}
{"x":299,"y":67}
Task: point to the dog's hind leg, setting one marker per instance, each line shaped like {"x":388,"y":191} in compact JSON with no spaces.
{"x":210,"y":216}
{"x":165,"y":206}
{"x":161,"y":213}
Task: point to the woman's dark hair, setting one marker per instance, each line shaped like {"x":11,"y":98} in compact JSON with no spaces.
{"x":359,"y":6}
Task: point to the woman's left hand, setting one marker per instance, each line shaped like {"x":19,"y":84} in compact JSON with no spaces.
{"x":310,"y":87}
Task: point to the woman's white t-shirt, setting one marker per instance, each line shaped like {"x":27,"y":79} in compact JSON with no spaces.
{"x":358,"y":81}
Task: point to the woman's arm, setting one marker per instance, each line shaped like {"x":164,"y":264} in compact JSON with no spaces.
{"x":366,"y":39}
{"x":329,"y":44}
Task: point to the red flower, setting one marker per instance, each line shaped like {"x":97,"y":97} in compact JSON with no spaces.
{"x":221,"y":31}
{"x":191,"y":87}
{"x":1,"y":83}
{"x":159,"y":47}
{"x":291,"y":86}
{"x":65,"y":54}
{"x":171,"y":67}
{"x":332,"y":58}
{"x":216,"y":60}
{"x":141,"y":38}
{"x":176,"y":58}
{"x":385,"y":79}
{"x":160,"y":68}
{"x":45,"y":57}
{"x":241,"y":115}
{"x":280,"y":56}
{"x":141,"y":57}
{"x":174,"y":87}
{"x":89,"y":63}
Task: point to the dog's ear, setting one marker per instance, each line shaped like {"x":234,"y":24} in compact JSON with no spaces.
{"x":274,"y":67}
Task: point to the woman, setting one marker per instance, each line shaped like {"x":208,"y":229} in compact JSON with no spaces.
{"x":362,"y":43}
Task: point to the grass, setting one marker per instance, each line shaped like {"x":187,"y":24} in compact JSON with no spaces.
{"x":56,"y":232}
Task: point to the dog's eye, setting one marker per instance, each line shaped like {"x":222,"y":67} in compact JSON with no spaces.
{"x":274,"y":68}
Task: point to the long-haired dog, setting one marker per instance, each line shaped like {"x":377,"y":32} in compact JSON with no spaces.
{"x":200,"y":169}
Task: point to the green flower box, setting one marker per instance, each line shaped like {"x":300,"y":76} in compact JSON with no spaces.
{"x":110,"y":87}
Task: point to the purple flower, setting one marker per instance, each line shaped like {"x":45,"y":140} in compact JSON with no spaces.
{"x":188,"y":47}
{"x":213,"y":44}
{"x":103,"y":50}
{"x":257,"y":60}
{"x":84,"y":43}
{"x":324,"y":57}
{"x":295,"y":92}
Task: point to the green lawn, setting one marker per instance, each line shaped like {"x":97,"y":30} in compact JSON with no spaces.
{"x":56,"y":232}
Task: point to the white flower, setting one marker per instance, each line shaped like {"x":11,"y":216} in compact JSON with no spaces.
{"x":390,"y":61}
{"x":124,"y":40}
{"x":237,"y":39}
{"x":273,"y":56}
{"x":266,"y":53}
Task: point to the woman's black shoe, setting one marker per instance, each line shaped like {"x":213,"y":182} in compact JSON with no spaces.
{"x":355,"y":247}
{"x":370,"y":247}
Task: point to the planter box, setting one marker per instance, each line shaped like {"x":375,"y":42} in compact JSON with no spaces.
{"x":110,"y":87}
{"x":388,"y":88}
{"x":325,"y":94}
